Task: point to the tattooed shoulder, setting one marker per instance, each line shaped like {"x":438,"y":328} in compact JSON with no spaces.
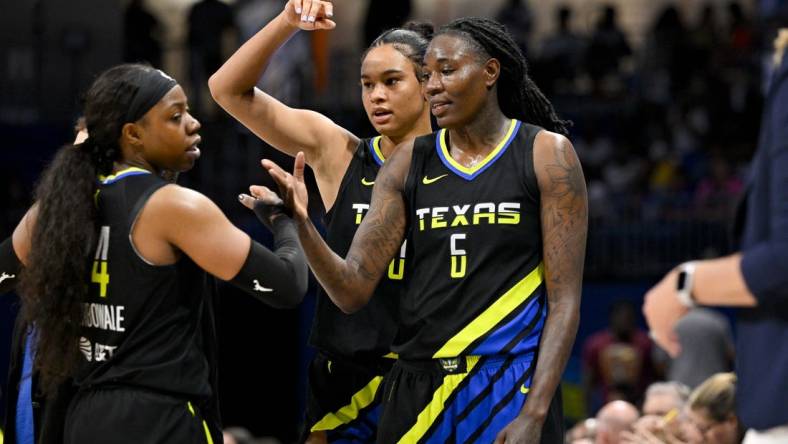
{"x":559,"y":173}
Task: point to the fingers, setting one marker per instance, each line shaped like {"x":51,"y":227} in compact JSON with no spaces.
{"x":668,"y":341}
{"x":246,"y":200}
{"x":328,"y":9}
{"x":280,"y":176}
{"x":315,"y":10}
{"x":269,"y":165}
{"x":672,"y":345}
{"x":265,"y":195}
{"x":306,"y":6}
{"x":298,"y":168}
{"x":325,"y":24}
{"x":260,"y":191}
{"x":282,"y":181}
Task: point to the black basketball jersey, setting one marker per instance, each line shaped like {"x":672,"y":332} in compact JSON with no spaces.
{"x":142,"y":323}
{"x":474,"y":251}
{"x":367,"y":333}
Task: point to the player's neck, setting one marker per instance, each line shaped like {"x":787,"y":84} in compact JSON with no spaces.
{"x":482,"y":134}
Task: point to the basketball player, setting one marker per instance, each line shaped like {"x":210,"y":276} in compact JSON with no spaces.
{"x":495,"y":211}
{"x":345,"y":375}
{"x":115,"y":261}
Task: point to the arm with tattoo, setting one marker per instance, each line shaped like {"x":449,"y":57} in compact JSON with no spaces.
{"x":350,"y":282}
{"x":564,"y":216}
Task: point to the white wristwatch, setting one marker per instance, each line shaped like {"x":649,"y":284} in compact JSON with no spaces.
{"x":684,"y":284}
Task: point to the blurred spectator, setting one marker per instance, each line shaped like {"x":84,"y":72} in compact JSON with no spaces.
{"x":662,"y":411}
{"x":617,"y":361}
{"x":665,"y":397}
{"x":614,"y":419}
{"x":560,"y":56}
{"x":583,"y":432}
{"x":712,"y":410}
{"x":383,"y":15}
{"x":237,"y":435}
{"x":673,"y":428}
{"x":607,"y":48}
{"x":240,"y":435}
{"x":142,"y":35}
{"x":209,"y":22}
{"x":667,"y":53}
{"x":741,"y":35}
{"x":704,"y":40}
{"x":518,"y":19}
{"x":706,"y":344}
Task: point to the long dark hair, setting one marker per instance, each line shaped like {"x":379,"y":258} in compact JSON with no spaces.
{"x":411,"y":40}
{"x":518,"y":95}
{"x":56,"y":278}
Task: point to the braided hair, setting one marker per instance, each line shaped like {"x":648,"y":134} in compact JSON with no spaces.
{"x":54,"y":283}
{"x":411,"y":40}
{"x":518,"y":95}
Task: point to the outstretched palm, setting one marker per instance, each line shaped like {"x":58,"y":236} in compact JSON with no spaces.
{"x":291,"y":186}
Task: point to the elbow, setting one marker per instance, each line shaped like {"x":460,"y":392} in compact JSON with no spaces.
{"x":221,"y":91}
{"x":299,"y":291}
{"x":355,"y":301}
{"x":349,"y":308}
{"x":296,"y":293}
{"x":215,"y":86}
{"x":350,"y":303}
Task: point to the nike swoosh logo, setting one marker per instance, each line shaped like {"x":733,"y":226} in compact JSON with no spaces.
{"x":260,"y":288}
{"x":427,"y":180}
{"x":524,"y":390}
{"x":367,"y":183}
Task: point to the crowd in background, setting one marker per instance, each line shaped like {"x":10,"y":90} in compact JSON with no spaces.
{"x":635,"y":393}
{"x":670,"y":413}
{"x":664,"y":127}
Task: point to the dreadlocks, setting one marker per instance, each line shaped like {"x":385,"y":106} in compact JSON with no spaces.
{"x":518,"y":95}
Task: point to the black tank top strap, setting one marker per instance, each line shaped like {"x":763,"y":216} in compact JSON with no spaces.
{"x":529,"y":179}
{"x":142,"y":195}
{"x":358,"y":158}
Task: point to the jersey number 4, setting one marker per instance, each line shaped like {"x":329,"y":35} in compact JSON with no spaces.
{"x":99,"y":275}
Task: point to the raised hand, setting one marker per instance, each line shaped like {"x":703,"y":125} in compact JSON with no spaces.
{"x":309,"y":15}
{"x":291,"y":186}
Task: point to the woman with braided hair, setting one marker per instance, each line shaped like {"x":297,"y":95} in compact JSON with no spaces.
{"x":112,"y":265}
{"x":494,"y":210}
{"x":353,"y":349}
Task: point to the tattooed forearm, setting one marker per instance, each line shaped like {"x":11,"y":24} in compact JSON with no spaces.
{"x":350,"y":282}
{"x":564,"y":215}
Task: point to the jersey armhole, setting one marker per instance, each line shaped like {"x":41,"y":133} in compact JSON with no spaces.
{"x":419,"y":151}
{"x":529,"y":179}
{"x":134,"y":215}
{"x":358,"y":154}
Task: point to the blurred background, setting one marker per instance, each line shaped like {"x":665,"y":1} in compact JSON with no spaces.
{"x":665,"y":97}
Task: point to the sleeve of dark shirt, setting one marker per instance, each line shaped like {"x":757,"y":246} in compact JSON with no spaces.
{"x":765,"y":265}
